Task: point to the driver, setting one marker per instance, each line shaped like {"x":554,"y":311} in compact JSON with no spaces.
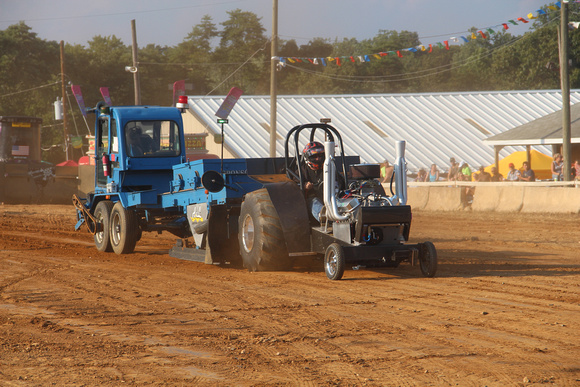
{"x":134,"y":142}
{"x":313,"y":154}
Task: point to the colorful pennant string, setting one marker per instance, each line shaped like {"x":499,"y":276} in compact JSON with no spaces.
{"x":340,"y":60}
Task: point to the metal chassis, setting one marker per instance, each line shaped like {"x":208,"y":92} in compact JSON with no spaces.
{"x":381,"y":255}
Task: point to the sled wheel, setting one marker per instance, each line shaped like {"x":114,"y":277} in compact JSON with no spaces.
{"x":103,"y":215}
{"x":428,"y":259}
{"x":334,"y":262}
{"x":260,"y":237}
{"x":123,"y":229}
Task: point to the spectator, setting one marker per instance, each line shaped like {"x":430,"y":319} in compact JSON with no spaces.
{"x":386,"y":172}
{"x":453,"y":169}
{"x":573,"y":171}
{"x":513,"y":174}
{"x":577,"y":170}
{"x":465,"y":171}
{"x":482,"y":176}
{"x":527,"y":174}
{"x":467,"y":192}
{"x":421,"y":176}
{"x":495,"y":175}
{"x":433,"y":174}
{"x":557,"y":167}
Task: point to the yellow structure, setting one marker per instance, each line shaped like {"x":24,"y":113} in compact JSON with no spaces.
{"x":539,"y":163}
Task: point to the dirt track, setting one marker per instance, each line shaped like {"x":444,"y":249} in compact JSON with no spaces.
{"x":503,"y":310}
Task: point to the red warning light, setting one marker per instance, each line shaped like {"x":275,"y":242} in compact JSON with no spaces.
{"x":182,"y":102}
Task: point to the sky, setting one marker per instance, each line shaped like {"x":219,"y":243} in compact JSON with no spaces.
{"x":168,"y":22}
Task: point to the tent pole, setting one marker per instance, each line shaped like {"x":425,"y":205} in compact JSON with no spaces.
{"x":497,"y":148}
{"x":565,"y":83}
{"x":529,"y":155}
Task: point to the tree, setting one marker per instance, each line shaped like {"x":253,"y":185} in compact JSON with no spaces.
{"x":156,"y":71}
{"x":108,"y":57}
{"x":193,"y":57}
{"x":304,"y":78}
{"x":26,"y":63}
{"x":29,"y":79}
{"x":242,"y":40}
{"x":387,"y":74}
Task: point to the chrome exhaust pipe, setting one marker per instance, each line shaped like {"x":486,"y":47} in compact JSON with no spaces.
{"x":400,"y":169}
{"x":329,"y":185}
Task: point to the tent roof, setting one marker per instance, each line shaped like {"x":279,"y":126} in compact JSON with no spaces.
{"x":546,"y":130}
{"x":68,"y":163}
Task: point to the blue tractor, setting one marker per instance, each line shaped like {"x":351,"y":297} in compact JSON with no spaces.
{"x":249,"y":212}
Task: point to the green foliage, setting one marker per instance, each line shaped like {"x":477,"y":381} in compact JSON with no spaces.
{"x":26,"y":63}
{"x":191,"y":59}
{"x":237,"y":53}
{"x":242,"y":39}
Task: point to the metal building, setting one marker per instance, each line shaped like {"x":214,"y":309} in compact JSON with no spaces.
{"x":436,"y":126}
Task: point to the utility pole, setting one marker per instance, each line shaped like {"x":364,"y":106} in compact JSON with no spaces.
{"x":135,"y":64}
{"x":565,"y":83}
{"x":63,"y":86}
{"x":273,"y":88}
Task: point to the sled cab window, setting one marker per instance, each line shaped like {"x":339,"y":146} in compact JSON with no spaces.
{"x":101,"y":148}
{"x":152,"y":139}
{"x":114,"y":139}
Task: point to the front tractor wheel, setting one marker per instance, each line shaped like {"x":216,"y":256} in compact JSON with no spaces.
{"x":428,"y":259}
{"x":124,"y":229}
{"x":261,"y":239}
{"x":334,"y":262}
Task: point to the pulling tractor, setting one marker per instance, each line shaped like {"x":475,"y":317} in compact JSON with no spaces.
{"x":249,"y":212}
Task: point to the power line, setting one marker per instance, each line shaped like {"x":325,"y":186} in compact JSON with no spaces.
{"x":133,"y":12}
{"x":240,"y":67}
{"x":24,"y":91}
{"x":195,"y":64}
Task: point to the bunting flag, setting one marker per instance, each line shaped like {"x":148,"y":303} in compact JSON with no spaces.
{"x":106,"y":96}
{"x":178,"y":89}
{"x":76,"y":89}
{"x":444,"y":45}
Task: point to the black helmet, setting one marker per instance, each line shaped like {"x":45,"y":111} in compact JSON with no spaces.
{"x":314,"y":155}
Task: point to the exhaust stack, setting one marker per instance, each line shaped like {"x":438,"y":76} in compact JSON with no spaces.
{"x":329,"y":185}
{"x":400,"y":174}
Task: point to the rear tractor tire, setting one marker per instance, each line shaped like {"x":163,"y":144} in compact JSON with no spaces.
{"x":124,"y":229}
{"x":261,"y":239}
{"x":103,"y":215}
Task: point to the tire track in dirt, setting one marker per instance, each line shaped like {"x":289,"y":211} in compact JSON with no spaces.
{"x":148,"y":318}
{"x":41,"y":305}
